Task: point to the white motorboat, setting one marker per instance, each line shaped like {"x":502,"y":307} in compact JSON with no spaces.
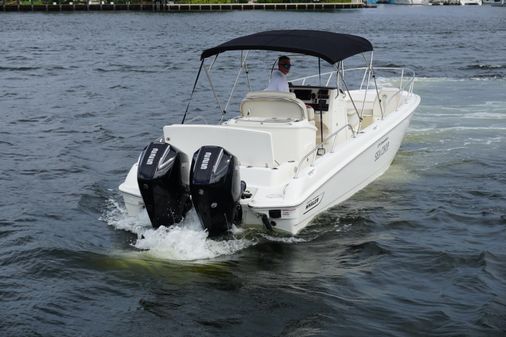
{"x":286,"y":156}
{"x":471,"y":2}
{"x":410,"y":2}
{"x":502,"y":3}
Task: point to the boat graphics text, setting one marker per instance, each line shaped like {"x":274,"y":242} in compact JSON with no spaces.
{"x":313,"y":203}
{"x":205,"y":161}
{"x":152,"y":156}
{"x":382,"y":148}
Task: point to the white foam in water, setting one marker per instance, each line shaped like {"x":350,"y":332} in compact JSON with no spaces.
{"x":449,"y":79}
{"x":186,"y":241}
{"x":430,"y":80}
{"x":457,"y":129}
{"x":284,"y":239}
{"x":117,"y":217}
{"x":421,"y":79}
{"x":459,"y":114}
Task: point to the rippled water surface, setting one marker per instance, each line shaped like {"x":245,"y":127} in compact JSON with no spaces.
{"x":420,"y":252}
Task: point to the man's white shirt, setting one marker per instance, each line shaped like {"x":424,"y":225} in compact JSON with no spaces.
{"x":278,"y":82}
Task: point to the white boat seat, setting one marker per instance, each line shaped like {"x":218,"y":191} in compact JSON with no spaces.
{"x":268,"y":104}
{"x":310,"y":113}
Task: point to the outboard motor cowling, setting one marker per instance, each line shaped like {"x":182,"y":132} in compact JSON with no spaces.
{"x":162,"y":176}
{"x":216,"y":188}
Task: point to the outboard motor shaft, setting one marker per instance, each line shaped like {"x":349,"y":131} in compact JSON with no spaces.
{"x":216,"y":188}
{"x":162,"y":176}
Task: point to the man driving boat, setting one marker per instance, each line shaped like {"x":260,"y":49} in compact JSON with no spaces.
{"x":279,"y":80}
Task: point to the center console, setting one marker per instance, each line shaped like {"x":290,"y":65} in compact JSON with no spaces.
{"x":315,"y":97}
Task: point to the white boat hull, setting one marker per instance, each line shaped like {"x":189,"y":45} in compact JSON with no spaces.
{"x":131,"y":193}
{"x":286,"y":155}
{"x":346,"y":175}
{"x":410,"y":2}
{"x":471,"y":2}
{"x":332,"y":179}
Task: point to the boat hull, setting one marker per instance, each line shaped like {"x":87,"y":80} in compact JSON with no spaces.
{"x":410,"y":2}
{"x":344,"y":182}
{"x":471,"y":2}
{"x":131,"y":194}
{"x":290,"y":205}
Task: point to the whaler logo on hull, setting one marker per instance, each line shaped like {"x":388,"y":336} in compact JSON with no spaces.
{"x":313,"y":203}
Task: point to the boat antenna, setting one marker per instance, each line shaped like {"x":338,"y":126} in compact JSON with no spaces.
{"x":193,"y":90}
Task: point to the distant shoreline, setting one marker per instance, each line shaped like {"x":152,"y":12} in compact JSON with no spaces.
{"x":170,"y":7}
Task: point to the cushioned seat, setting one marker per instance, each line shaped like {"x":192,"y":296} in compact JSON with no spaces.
{"x":269,"y":104}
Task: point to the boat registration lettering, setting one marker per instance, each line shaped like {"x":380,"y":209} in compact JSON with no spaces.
{"x":152,"y":156}
{"x":205,"y":161}
{"x":382,"y":148}
{"x":287,"y":212}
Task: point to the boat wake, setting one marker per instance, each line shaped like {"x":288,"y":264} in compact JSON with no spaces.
{"x":423,"y":79}
{"x":186,"y":241}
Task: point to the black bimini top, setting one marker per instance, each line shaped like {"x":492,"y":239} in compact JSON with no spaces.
{"x":332,"y":47}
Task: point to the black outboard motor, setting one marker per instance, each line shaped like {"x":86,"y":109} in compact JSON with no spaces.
{"x":216,"y":188}
{"x":162,"y":176}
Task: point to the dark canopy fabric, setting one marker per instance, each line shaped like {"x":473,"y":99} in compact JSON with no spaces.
{"x":332,"y":47}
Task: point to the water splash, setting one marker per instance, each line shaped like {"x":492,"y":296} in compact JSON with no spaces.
{"x":186,"y":241}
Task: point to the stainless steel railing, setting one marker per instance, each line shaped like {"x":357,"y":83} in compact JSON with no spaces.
{"x":407,"y":76}
{"x":321,"y":145}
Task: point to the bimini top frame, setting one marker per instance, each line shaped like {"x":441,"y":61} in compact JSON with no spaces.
{"x":331,"y":47}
